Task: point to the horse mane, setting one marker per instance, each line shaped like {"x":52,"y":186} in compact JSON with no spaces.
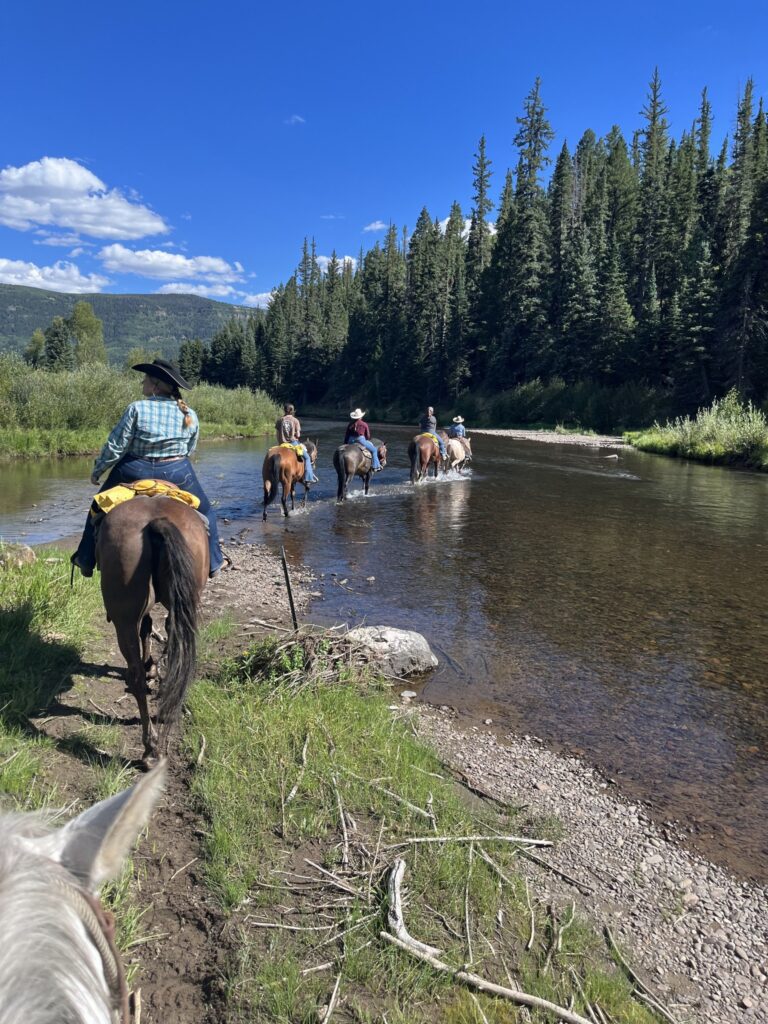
{"x":49,"y":969}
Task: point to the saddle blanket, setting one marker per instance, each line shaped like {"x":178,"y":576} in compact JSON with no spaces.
{"x":105,"y":501}
{"x":432,"y":437}
{"x":298,"y":448}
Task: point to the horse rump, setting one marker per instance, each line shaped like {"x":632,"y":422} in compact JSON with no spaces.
{"x":271,"y":476}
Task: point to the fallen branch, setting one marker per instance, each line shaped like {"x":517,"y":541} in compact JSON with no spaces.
{"x":470,"y":955}
{"x":468,"y":839}
{"x":556,"y":871}
{"x":335,"y":880}
{"x":300,"y":776}
{"x":101,"y":710}
{"x":529,"y":943}
{"x":476,"y":982}
{"x":659,"y":1006}
{"x":375,"y":859}
{"x":332,"y":1001}
{"x":395,"y":914}
{"x":492,"y":864}
{"x":201,"y":753}
{"x":342,"y":819}
{"x":183,"y":868}
{"x":479,"y":1008}
{"x":429,"y":815}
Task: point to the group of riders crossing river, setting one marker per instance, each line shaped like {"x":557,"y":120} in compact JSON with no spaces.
{"x":148,"y":453}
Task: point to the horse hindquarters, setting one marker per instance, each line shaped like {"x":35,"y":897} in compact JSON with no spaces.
{"x":271,"y":475}
{"x":339,"y":464}
{"x":414,"y":453}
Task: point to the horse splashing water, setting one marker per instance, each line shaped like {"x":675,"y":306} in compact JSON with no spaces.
{"x":423,"y":453}
{"x":148,"y":550}
{"x":59,"y":963}
{"x":350,"y":460}
{"x":283,"y":467}
{"x":456,"y":454}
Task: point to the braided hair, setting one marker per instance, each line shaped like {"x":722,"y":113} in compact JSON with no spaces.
{"x":173,"y":392}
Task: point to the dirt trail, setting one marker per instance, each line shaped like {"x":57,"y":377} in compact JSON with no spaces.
{"x":185,"y":946}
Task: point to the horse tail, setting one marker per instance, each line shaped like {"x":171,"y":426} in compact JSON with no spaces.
{"x":181,"y":585}
{"x":415,"y":454}
{"x":341,"y":472}
{"x":271,"y":481}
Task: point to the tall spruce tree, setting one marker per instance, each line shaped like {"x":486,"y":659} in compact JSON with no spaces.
{"x":59,"y":351}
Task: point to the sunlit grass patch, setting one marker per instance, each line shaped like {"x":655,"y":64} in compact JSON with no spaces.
{"x":311,"y":789}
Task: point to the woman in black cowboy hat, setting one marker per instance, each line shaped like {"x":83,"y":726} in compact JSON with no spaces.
{"x":153,"y":440}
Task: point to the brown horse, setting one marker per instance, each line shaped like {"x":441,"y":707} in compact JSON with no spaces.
{"x":423,"y":452}
{"x":283,"y":467}
{"x":148,"y":550}
{"x":351,"y":460}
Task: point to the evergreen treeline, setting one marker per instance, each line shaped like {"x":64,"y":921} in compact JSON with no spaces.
{"x":640,"y":263}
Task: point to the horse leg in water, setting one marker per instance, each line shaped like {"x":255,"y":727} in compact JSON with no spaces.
{"x":366,"y":481}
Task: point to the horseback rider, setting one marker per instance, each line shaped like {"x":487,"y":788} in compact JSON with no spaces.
{"x":359,"y":432}
{"x":459,"y":431}
{"x":289,"y":432}
{"x":153,"y":440}
{"x":428,"y":425}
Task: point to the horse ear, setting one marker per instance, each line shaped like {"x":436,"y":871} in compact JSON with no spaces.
{"x":94,"y":845}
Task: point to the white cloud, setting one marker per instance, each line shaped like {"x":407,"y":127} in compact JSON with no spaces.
{"x":60,"y":277}
{"x":160,"y":264}
{"x":323,"y":261}
{"x":207,"y":291}
{"x":295,"y":119}
{"x":376,"y":225}
{"x":332,"y":216}
{"x":59,"y":192}
{"x":77,"y":251}
{"x":261,"y":299}
{"x":467,"y":225}
{"x":63,"y":240}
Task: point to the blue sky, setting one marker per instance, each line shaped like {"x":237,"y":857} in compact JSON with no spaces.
{"x":191,"y":146}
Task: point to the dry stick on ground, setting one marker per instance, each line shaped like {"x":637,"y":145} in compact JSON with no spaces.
{"x":342,"y":819}
{"x":300,"y":776}
{"x":470,"y":955}
{"x":556,"y":871}
{"x":468,"y":839}
{"x":529,"y":943}
{"x":201,"y":753}
{"x":183,"y":868}
{"x":659,"y":1006}
{"x":479,"y":1008}
{"x":426,"y":953}
{"x":564,"y":928}
{"x":492,"y":863}
{"x":395,"y":796}
{"x":332,"y":1001}
{"x":375,"y":859}
{"x":586,"y":1002}
{"x":335,"y":880}
{"x":443,"y":921}
{"x":101,"y":710}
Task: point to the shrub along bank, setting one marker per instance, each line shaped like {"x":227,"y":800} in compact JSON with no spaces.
{"x":312,"y":790}
{"x":71,"y":412}
{"x":729,"y":431}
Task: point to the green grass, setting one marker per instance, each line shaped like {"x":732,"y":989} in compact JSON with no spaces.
{"x":71,"y":413}
{"x":730,"y":431}
{"x":258,"y":716}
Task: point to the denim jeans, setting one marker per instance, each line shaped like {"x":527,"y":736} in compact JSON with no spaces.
{"x":181,"y":473}
{"x":372,"y":449}
{"x":441,"y":446}
{"x":309,"y":475}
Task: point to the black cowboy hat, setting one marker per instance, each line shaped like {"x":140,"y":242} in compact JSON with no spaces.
{"x":160,"y":369}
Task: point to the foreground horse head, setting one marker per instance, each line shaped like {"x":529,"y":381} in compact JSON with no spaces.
{"x":351,"y":460}
{"x":148,"y":550}
{"x":59,"y":962}
{"x":423,"y":452}
{"x":283,"y":468}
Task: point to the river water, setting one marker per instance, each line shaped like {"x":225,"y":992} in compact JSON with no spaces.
{"x":613,"y":607}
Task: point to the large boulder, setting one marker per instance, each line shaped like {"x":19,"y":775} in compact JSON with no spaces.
{"x":13,"y":556}
{"x":395,"y":652}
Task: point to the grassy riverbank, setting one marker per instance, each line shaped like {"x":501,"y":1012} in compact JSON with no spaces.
{"x":71,"y":413}
{"x":312,"y":789}
{"x":728,"y":432}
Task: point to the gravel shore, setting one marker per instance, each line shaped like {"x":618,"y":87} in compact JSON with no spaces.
{"x":696,"y":935}
{"x":553,"y":437}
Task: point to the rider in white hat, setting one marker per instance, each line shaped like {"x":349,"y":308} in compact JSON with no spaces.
{"x":358,"y":432}
{"x":459,"y":431}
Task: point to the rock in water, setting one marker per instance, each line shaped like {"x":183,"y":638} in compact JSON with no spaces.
{"x":397,"y":652}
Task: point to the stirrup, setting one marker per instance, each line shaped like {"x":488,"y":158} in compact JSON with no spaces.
{"x":86,"y":571}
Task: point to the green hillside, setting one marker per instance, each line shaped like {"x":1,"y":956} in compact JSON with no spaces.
{"x":151,"y":321}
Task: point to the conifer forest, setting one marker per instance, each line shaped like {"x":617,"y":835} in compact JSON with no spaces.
{"x":631,"y":267}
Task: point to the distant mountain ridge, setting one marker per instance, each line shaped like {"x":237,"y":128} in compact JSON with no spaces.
{"x":152,"y":321}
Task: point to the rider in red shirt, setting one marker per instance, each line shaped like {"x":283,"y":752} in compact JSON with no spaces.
{"x":359,"y":432}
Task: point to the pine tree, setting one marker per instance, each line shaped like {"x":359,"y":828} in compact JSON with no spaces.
{"x":653,"y":190}
{"x":59,"y":353}
{"x":562,"y":219}
{"x":574,"y":357}
{"x":191,"y":359}
{"x":613,"y":358}
{"x":479,"y":242}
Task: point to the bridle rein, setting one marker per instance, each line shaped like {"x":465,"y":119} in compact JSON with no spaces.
{"x":100,"y":926}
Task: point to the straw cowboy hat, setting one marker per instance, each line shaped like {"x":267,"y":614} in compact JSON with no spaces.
{"x":458,"y":419}
{"x":160,"y":369}
{"x":356,"y":414}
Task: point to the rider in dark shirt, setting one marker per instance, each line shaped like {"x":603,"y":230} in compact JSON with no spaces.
{"x":428,"y":425}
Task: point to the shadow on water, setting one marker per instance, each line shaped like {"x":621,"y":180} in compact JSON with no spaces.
{"x":613,"y":607}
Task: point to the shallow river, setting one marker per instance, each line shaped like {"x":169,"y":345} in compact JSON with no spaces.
{"x":613,"y":607}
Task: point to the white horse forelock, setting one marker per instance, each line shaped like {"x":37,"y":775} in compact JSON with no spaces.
{"x":50,"y":970}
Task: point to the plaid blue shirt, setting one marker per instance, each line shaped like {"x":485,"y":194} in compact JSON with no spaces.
{"x":150,"y":428}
